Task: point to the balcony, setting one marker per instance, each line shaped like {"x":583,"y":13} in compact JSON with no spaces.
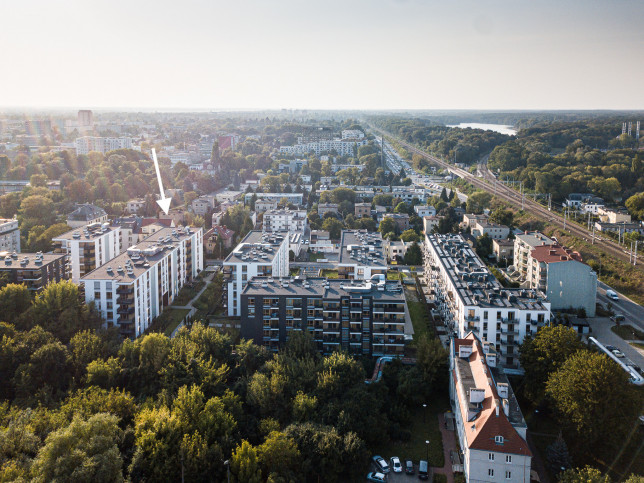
{"x":125,"y":310}
{"x":506,"y":331}
{"x":125,"y":290}
{"x":124,"y":300}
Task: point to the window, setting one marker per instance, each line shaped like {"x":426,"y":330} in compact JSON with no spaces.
{"x":508,"y":474}
{"x":498,"y":439}
{"x":508,"y":458}
{"x":490,"y":456}
{"x":490,"y":472}
{"x":251,"y":301}
{"x":485,"y":315}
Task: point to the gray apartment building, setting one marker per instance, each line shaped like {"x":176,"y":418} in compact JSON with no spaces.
{"x":367,"y":317}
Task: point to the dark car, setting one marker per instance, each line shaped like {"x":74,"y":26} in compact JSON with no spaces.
{"x":381,"y":464}
{"x":409,"y":467}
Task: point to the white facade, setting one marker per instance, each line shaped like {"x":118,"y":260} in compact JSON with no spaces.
{"x":202,"y":205}
{"x":342,"y":147}
{"x":352,"y":134}
{"x":89,"y":143}
{"x":424,"y":210}
{"x":89,"y":248}
{"x":295,"y":198}
{"x":135,"y":205}
{"x":523,"y":246}
{"x":494,"y":231}
{"x":134,"y":288}
{"x":9,"y":235}
{"x":258,"y":254}
{"x":471,"y":299}
{"x":294,"y":221}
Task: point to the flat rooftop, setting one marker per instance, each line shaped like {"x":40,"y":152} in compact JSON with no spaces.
{"x":535,"y":239}
{"x":27,"y":261}
{"x":363,"y":248}
{"x":474,"y":283}
{"x":257,"y":247}
{"x":140,"y":257}
{"x":87,"y":232}
{"x":325,"y":288}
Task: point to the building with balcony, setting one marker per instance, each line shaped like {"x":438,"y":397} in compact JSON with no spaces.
{"x":425,"y":210}
{"x":89,"y":247}
{"x":365,"y":317}
{"x":132,"y":289}
{"x":489,"y":423}
{"x":87,"y":144}
{"x":293,"y":221}
{"x":561,"y":274}
{"x":470,"y":298}
{"x":34,"y":270}
{"x":9,"y":235}
{"x":524,"y":243}
{"x":362,"y":255}
{"x":258,"y":254}
{"x":294,"y":198}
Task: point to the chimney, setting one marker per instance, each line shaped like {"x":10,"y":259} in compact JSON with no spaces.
{"x":506,"y":407}
{"x":477,"y":395}
{"x":496,"y":407}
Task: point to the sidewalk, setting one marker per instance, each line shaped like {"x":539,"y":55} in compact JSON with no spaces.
{"x":208,"y":281}
{"x":449,"y":444}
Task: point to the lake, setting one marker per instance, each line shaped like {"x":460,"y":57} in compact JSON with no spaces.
{"x":503,"y":129}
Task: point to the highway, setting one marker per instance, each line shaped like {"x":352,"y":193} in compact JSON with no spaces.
{"x":491,"y":185}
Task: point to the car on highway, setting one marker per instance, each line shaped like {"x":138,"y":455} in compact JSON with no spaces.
{"x":611,"y":347}
{"x":381,"y":464}
{"x":377,"y":477}
{"x":395,"y":464}
{"x":611,"y":294}
{"x":618,"y":353}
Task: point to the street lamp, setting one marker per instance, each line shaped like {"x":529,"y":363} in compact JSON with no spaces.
{"x":227,"y":465}
{"x":427,"y":443}
{"x":424,"y":413}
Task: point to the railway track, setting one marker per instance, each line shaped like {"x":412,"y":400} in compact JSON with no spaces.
{"x":508,"y":194}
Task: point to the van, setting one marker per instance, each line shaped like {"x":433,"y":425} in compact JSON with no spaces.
{"x":423,"y":470}
{"x":611,"y":294}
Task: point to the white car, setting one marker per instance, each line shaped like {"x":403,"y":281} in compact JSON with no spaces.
{"x":618,"y":353}
{"x":395,"y":464}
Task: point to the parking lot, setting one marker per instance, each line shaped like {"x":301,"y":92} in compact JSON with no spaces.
{"x":399,"y":477}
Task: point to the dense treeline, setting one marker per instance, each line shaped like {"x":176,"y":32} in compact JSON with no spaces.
{"x":81,"y":405}
{"x":456,"y":144}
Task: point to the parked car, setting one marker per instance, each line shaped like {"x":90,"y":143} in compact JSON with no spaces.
{"x":618,"y":353}
{"x":409,"y":467}
{"x":377,"y":477}
{"x":395,"y":464}
{"x":381,"y":464}
{"x":611,"y":347}
{"x":617,"y":318}
{"x":423,"y":470}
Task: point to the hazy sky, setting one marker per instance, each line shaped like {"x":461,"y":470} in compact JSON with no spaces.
{"x":328,"y":54}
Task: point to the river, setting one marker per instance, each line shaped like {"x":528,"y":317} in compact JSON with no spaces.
{"x":502,"y":128}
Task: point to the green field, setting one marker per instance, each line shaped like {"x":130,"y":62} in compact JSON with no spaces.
{"x":186,"y":294}
{"x":418,"y":313}
{"x":326,"y":273}
{"x":628,"y":332}
{"x":169,"y":320}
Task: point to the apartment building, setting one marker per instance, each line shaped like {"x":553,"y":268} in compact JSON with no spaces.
{"x":293,"y":221}
{"x":264,"y":205}
{"x":471,"y":219}
{"x":469,"y":298}
{"x":493,"y":230}
{"x":324,"y":208}
{"x":86,"y":214}
{"x":258,"y":254}
{"x":130,"y":230}
{"x":352,"y":134}
{"x":343,"y":147}
{"x":34,"y":270}
{"x":365,"y":317}
{"x":425,"y":210}
{"x":430,"y":222}
{"x":135,"y":205}
{"x":89,"y":247}
{"x":561,"y":274}
{"x":524,"y":243}
{"x":489,"y":423}
{"x":86,"y":144}
{"x":608,"y":215}
{"x":202,"y":205}
{"x":132,"y":289}
{"x":362,"y":255}
{"x":294,"y":198}
{"x":9,"y":235}
{"x":362,"y":210}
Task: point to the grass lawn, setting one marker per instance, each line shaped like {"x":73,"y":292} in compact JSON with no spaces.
{"x":294,"y":272}
{"x":313,"y":256}
{"x":169,"y":320}
{"x":628,"y":332}
{"x":421,"y":431}
{"x":417,"y":312}
{"x":392,"y":275}
{"x":186,"y":294}
{"x":638,"y":345}
{"x":326,"y":273}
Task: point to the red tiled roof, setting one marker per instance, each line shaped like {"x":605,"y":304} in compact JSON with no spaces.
{"x":554,"y":253}
{"x":222,"y":231}
{"x":481,"y":432}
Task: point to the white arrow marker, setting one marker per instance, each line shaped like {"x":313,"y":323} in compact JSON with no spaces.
{"x":164,"y":202}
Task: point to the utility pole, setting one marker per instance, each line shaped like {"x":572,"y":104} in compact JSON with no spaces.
{"x":564,"y":213}
{"x":522,"y":197}
{"x":636,"y":241}
{"x":549,"y":202}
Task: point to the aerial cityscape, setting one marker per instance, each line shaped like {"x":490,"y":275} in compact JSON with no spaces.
{"x":229,"y":251}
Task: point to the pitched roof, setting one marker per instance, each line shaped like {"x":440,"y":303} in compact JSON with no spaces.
{"x":169,"y":222}
{"x":555,"y":253}
{"x":490,"y":421}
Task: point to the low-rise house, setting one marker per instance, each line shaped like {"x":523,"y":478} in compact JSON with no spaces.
{"x":218,"y":235}
{"x":429,"y":222}
{"x":609,"y":215}
{"x":424,"y":210}
{"x":503,"y":249}
{"x":135,"y":206}
{"x":202,"y":205}
{"x":86,"y":214}
{"x":620,"y":228}
{"x":492,"y":230}
{"x":362,"y":210}
{"x":470,"y":220}
{"x":324,"y":208}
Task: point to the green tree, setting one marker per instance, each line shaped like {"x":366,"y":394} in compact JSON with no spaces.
{"x":333,"y":226}
{"x":387,"y":225}
{"x":83,"y":451}
{"x":401,"y":207}
{"x":478,"y":201}
{"x":409,"y":236}
{"x":279,"y":455}
{"x":635,"y":205}
{"x":484,"y":246}
{"x":502,"y":216}
{"x":544,"y":353}
{"x":591,"y":393}
{"x":587,"y":474}
{"x":15,"y":300}
{"x":245,"y":465}
{"x":413,"y":255}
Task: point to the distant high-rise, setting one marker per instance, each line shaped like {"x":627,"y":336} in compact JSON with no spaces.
{"x":85,"y":119}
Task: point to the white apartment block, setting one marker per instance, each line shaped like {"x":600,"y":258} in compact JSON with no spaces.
{"x":424,"y":210}
{"x":133,"y":289}
{"x":9,"y":235}
{"x":294,"y":198}
{"x":135,"y":205}
{"x":352,"y":134}
{"x":90,"y":143}
{"x":470,"y":298}
{"x":523,"y":246}
{"x":362,"y":255}
{"x":89,"y":247}
{"x":344,"y":147}
{"x":264,"y":205}
{"x":293,"y":221}
{"x":258,"y":254}
{"x":494,"y":231}
{"x":489,"y":424}
{"x":202,"y":205}
{"x":563,"y":277}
